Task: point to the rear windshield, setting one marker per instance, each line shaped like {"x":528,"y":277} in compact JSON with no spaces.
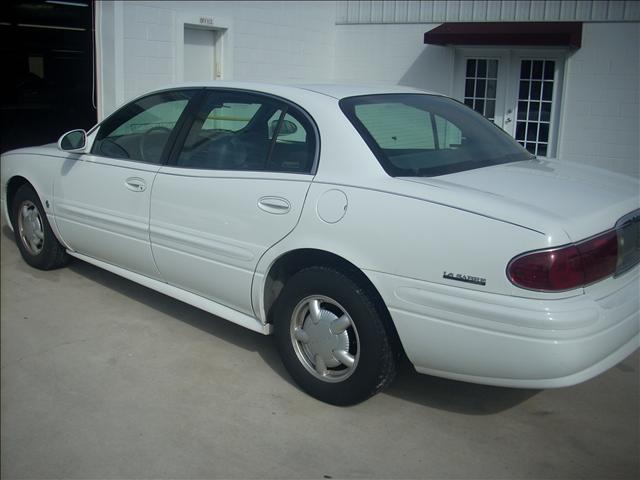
{"x":427,"y":135}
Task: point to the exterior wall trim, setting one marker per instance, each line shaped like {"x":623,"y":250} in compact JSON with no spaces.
{"x":370,"y":12}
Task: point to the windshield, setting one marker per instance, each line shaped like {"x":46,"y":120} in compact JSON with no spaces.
{"x":427,"y":135}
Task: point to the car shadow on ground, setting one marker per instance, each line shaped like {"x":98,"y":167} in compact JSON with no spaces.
{"x":455,"y":396}
{"x":432,"y":392}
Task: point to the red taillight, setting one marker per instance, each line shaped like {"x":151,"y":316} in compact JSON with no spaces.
{"x":599,"y":256}
{"x":567,"y":267}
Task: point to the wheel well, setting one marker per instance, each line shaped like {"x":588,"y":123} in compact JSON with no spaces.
{"x":12,"y":187}
{"x":296,"y":260}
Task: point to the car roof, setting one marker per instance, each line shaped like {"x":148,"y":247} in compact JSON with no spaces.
{"x":334,"y":90}
{"x":337,"y":90}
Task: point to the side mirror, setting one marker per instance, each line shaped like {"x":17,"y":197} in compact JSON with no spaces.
{"x":74,"y":141}
{"x":287,"y":128}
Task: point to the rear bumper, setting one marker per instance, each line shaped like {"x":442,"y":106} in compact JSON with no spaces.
{"x":510,"y":341}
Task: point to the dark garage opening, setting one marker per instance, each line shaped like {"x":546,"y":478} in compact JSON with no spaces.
{"x":48,"y":77}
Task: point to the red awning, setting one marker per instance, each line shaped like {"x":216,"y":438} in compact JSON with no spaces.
{"x":543,"y":34}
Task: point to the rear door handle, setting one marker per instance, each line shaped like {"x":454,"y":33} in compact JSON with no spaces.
{"x":135,"y":184}
{"x":275,"y":205}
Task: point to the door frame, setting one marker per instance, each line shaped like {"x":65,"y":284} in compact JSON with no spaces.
{"x":459,"y":75}
{"x":222,"y":27}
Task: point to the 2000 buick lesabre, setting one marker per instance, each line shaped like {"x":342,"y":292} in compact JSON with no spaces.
{"x":355,"y":223}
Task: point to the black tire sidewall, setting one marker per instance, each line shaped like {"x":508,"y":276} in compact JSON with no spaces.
{"x":374,"y":345}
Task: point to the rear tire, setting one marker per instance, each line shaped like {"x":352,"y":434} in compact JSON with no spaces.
{"x":331,"y":337}
{"x":37,"y":244}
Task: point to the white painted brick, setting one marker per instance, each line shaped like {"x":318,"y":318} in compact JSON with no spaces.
{"x":159,"y":32}
{"x":133,"y":64}
{"x":630,"y":110}
{"x":159,"y":65}
{"x":605,"y":108}
{"x":137,"y":48}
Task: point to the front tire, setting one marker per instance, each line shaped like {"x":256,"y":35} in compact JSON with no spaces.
{"x":37,"y":244}
{"x":330,"y":334}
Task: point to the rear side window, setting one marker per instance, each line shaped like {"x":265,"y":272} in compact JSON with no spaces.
{"x":427,"y":135}
{"x":230,"y":116}
{"x":140,"y":130}
{"x":247,"y":131}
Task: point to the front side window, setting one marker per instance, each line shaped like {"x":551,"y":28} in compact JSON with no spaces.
{"x":427,"y":135}
{"x":140,"y":130}
{"x":247,"y":131}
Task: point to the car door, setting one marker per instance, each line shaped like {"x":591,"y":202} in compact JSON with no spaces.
{"x":234,"y":187}
{"x":102,"y":199}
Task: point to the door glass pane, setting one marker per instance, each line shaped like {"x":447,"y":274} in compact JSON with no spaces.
{"x":480,"y":85}
{"x":535,"y":99}
{"x":230,"y":116}
{"x":246,"y":131}
{"x":140,"y":130}
{"x":229,"y":132}
{"x":294,"y":148}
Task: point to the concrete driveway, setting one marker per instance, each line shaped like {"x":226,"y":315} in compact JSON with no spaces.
{"x":102,"y":378}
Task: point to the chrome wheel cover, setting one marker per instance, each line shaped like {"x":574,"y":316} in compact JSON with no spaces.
{"x":325,"y":338}
{"x":30,"y":228}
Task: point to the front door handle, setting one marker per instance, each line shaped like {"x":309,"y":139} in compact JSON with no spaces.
{"x":135,"y":184}
{"x":275,"y":205}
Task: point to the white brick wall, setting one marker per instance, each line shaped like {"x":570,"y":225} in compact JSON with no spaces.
{"x":272,"y":41}
{"x":600,"y":124}
{"x":392,"y":54}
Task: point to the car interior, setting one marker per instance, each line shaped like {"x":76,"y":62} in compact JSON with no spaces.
{"x":250,"y":148}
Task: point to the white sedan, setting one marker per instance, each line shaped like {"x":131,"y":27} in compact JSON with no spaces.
{"x":357,"y":224}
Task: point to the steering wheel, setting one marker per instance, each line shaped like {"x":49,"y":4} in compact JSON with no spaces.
{"x":150,"y":151}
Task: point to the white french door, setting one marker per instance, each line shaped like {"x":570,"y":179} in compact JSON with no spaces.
{"x":519,"y":90}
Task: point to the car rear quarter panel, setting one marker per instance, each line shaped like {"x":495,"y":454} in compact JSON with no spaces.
{"x":413,"y":239}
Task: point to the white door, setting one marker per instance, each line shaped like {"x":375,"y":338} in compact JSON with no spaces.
{"x":199,"y":54}
{"x":235,"y":188}
{"x":481,"y":84}
{"x":102,"y":199}
{"x":518,"y":90}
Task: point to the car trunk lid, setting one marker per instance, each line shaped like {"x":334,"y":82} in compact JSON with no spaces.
{"x":583,"y":200}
